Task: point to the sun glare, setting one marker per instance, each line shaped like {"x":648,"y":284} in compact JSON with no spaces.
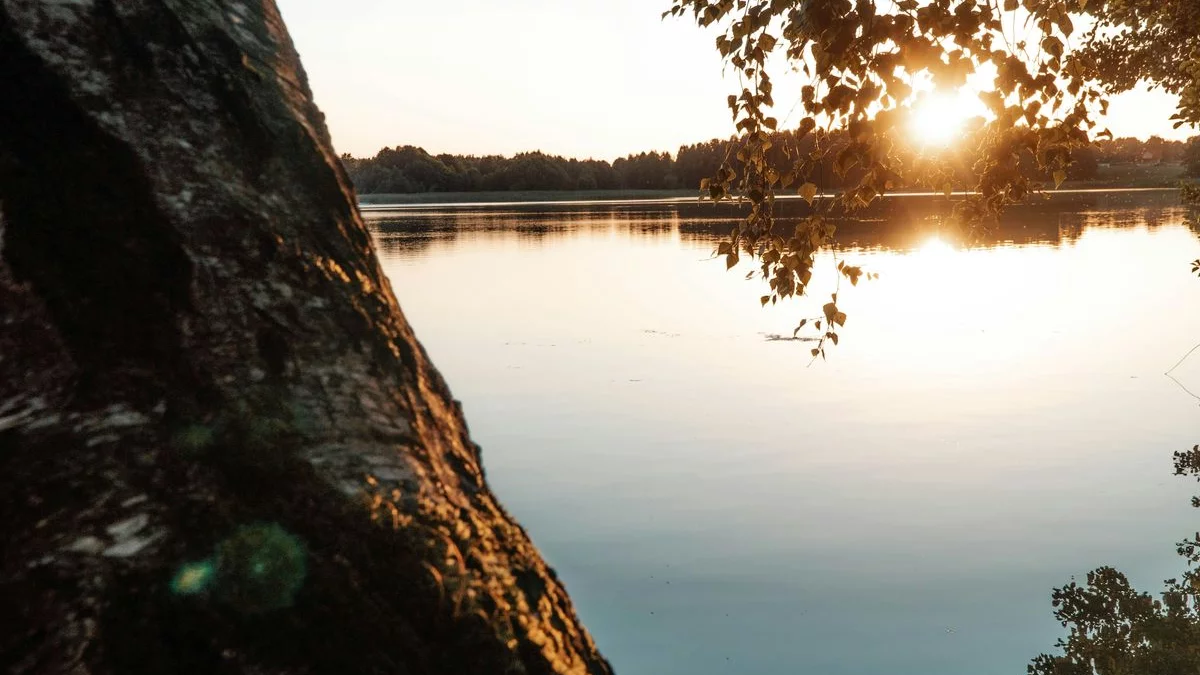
{"x":936,"y":267}
{"x":937,"y":119}
{"x":935,"y":249}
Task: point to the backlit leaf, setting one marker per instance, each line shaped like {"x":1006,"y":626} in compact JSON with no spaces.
{"x":808,"y":191}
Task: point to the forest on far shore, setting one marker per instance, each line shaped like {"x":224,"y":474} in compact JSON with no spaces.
{"x":410,"y":169}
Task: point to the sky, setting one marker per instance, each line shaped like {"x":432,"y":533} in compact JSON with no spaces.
{"x":578,"y":78}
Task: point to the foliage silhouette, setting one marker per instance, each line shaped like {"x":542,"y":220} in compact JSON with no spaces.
{"x":1113,"y":629}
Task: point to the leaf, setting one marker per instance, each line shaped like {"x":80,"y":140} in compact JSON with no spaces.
{"x":724,"y":248}
{"x":1011,"y":5}
{"x":830,"y":310}
{"x":839,"y":319}
{"x":730,"y":260}
{"x":834,"y":337}
{"x":808,"y":191}
{"x":815,"y":352}
{"x":764,"y":299}
{"x":1059,"y":177}
{"x":1053,"y":46}
{"x":1065,"y":24}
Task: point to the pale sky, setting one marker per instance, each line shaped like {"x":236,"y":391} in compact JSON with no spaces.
{"x":579,"y":78}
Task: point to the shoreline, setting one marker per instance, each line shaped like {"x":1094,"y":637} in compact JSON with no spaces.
{"x":405,"y":202}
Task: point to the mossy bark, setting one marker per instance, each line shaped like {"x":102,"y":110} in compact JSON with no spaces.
{"x":196,"y":340}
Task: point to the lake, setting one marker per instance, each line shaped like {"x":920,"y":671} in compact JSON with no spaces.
{"x":995,"y":420}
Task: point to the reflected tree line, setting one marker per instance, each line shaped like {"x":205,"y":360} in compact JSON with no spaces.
{"x":897,"y":224}
{"x":410,"y":169}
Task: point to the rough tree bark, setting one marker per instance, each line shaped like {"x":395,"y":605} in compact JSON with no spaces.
{"x":196,"y":337}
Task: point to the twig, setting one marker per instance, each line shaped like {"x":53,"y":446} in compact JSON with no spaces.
{"x":1189,"y":392}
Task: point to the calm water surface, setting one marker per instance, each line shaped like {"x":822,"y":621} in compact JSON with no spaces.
{"x":995,"y":421}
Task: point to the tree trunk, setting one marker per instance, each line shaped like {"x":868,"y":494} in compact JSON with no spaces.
{"x":221,"y":447}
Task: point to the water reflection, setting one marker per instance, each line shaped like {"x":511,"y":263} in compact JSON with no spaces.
{"x":994,"y":421}
{"x":899,"y":224}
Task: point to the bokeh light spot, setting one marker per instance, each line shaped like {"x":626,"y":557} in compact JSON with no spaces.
{"x":193,"y":578}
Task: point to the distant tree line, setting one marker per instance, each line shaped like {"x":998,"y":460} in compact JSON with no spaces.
{"x":412,"y":169}
{"x":408,"y":169}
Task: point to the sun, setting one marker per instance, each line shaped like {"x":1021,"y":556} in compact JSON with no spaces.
{"x":938,"y":119}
